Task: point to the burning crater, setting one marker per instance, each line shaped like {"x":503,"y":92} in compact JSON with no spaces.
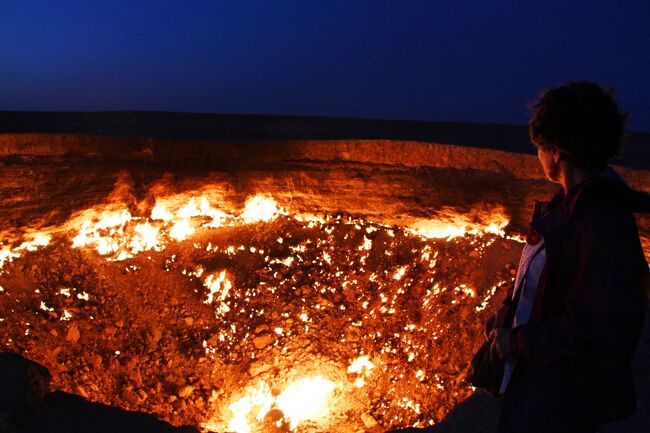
{"x":254,"y":308}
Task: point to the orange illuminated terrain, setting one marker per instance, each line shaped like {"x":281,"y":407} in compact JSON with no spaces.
{"x":264,"y":286}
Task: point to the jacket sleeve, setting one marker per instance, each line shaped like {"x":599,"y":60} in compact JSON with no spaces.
{"x":497,"y":320}
{"x":601,"y":309}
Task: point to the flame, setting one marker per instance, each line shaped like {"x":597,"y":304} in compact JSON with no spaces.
{"x":361,"y":366}
{"x":145,"y":238}
{"x":305,"y":400}
{"x":260,"y":208}
{"x":181,"y":230}
{"x":39,"y":240}
{"x":159,"y":212}
{"x":258,"y":399}
{"x":101,"y":231}
{"x":302,"y":400}
{"x":218,"y":285}
{"x":7,"y":255}
{"x":119,"y":235}
{"x":33,"y":242}
{"x":452,"y":225}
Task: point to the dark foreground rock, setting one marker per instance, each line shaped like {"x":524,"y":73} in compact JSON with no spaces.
{"x":27,"y":406}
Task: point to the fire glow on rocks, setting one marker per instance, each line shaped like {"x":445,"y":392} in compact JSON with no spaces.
{"x":258,"y":320}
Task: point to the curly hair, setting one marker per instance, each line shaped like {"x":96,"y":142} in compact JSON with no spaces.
{"x":582,"y":120}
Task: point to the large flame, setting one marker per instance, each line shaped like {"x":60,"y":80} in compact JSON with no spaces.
{"x":305,"y":400}
{"x":302,"y":400}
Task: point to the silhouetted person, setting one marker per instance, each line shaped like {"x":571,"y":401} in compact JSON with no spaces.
{"x":579,"y":299}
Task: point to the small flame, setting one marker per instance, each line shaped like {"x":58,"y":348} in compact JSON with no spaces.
{"x":39,"y":240}
{"x":452,"y":225}
{"x":360,"y":365}
{"x":260,"y":208}
{"x":220,"y":286}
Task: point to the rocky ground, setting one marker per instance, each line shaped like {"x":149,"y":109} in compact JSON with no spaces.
{"x":306,"y":299}
{"x":153,"y":333}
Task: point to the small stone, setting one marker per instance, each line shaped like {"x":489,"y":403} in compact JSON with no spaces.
{"x":96,"y":360}
{"x":178,"y":405}
{"x":258,"y":368}
{"x":81,"y":391}
{"x":185,"y":391}
{"x":54,"y":333}
{"x":189,"y":321}
{"x":73,"y":334}
{"x":119,"y":324}
{"x":368,"y":421}
{"x":261,"y":328}
{"x":154,"y":337}
{"x":213,"y":340}
{"x":130,"y":396}
{"x":262,"y":341}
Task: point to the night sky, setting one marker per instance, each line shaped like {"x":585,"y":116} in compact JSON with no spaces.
{"x":469,"y":61}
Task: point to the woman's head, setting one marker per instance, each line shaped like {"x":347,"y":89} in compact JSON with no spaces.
{"x":579,"y":119}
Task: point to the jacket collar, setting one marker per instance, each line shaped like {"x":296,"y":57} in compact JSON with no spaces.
{"x":607,"y":183}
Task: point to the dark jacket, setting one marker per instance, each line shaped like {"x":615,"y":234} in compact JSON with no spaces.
{"x":575,"y":353}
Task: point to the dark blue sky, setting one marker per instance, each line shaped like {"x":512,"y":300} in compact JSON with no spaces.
{"x":446,"y":60}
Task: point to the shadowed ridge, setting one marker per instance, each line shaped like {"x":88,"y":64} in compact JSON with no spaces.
{"x":234,"y":127}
